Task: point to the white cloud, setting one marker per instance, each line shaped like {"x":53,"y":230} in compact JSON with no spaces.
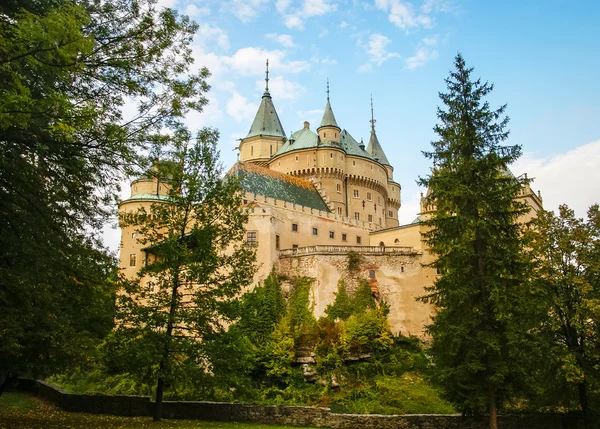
{"x":166,"y":4}
{"x":411,"y":207}
{"x":208,"y":33}
{"x":282,"y":89}
{"x":328,"y":61}
{"x":244,"y":10}
{"x":284,"y":40}
{"x":402,"y":14}
{"x":282,"y":5}
{"x":365,"y":68}
{"x":195,"y":11}
{"x":240,"y":109}
{"x":251,"y":61}
{"x":377,"y":49}
{"x":309,"y":8}
{"x":437,"y":6}
{"x":567,"y":178}
{"x":425,"y":52}
{"x":343,"y":24}
{"x":323,"y":33}
{"x":312,"y":116}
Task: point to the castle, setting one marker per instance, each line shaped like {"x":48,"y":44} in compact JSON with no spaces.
{"x":314,"y":198}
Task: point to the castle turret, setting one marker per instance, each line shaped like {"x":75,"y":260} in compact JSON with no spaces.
{"x":329,"y":129}
{"x":374,"y":147}
{"x":266,"y":135}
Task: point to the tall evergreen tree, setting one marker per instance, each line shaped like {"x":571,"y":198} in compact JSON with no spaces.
{"x":198,"y":262}
{"x":479,"y":328}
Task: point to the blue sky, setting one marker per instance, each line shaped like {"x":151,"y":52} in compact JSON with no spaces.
{"x":542,"y":56}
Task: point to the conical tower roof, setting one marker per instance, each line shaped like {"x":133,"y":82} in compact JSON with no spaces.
{"x":266,"y":122}
{"x":374,"y":148}
{"x":328,"y":117}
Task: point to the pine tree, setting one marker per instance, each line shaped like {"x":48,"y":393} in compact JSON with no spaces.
{"x":479,"y":329}
{"x":197,"y":263}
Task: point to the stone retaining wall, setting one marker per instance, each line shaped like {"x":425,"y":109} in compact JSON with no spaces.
{"x":132,"y":406}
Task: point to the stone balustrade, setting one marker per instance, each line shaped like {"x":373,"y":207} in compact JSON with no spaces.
{"x":342,"y":250}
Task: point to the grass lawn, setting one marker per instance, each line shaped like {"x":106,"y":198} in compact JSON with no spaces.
{"x":18,"y":410}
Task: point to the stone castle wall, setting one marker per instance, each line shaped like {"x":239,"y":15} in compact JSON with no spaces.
{"x":139,"y":406}
{"x":395,"y":275}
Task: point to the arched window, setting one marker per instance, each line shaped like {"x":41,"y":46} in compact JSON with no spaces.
{"x":381,"y":244}
{"x":371,"y":274}
{"x":396,"y":241}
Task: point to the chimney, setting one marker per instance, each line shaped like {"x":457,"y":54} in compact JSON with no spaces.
{"x":306,"y":124}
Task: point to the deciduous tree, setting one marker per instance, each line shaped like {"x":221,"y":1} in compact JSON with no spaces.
{"x":198,"y":262}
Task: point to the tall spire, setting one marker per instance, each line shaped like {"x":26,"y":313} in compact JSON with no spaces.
{"x":328,"y":117}
{"x":372,"y":116}
{"x":374,"y":148}
{"x":266,"y":122}
{"x":267,"y":78}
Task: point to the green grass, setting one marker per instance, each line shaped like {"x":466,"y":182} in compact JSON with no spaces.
{"x":18,"y":410}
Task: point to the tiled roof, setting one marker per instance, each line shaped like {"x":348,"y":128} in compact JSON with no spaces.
{"x":375,"y":149}
{"x":328,"y":117}
{"x":304,"y":139}
{"x":266,"y":122}
{"x":351,"y":146}
{"x":272,"y":184}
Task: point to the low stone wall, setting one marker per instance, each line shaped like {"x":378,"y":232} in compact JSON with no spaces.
{"x":136,"y":406}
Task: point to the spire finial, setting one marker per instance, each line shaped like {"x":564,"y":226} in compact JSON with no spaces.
{"x":327,"y":89}
{"x":372,"y":121}
{"x":267,"y":78}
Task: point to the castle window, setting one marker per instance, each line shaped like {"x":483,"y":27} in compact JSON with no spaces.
{"x":294,"y":246}
{"x":315,"y":231}
{"x":354,"y":163}
{"x":132,"y":259}
{"x":294,"y":227}
{"x":277,"y":242}
{"x":297,"y":158}
{"x":378,"y":200}
{"x":324,"y":135}
{"x":358,"y":240}
{"x":271,"y":150}
{"x":339,"y":187}
{"x":251,"y":150}
{"x":396,"y":241}
{"x":331,"y":155}
{"x":133,"y":235}
{"x":339,"y":211}
{"x":370,"y":218}
{"x":401,"y":269}
{"x":391,"y":213}
{"x":368,"y":196}
{"x":357,"y":215}
{"x":344,"y":237}
{"x":356,"y":193}
{"x":371,"y":274}
{"x":251,"y":238}
{"x":331,"y":234}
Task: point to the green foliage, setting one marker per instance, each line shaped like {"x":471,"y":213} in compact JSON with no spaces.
{"x":355,"y":259}
{"x":482,"y":331}
{"x":199,"y":263}
{"x":346,"y":305}
{"x":567,"y":278}
{"x":67,"y":70}
{"x":261,"y":309}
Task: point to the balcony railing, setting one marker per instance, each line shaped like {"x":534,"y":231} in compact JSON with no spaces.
{"x":342,"y":250}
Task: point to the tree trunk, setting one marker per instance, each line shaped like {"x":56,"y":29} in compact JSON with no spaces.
{"x":585,"y":408}
{"x":492,"y":407}
{"x":160,"y":385}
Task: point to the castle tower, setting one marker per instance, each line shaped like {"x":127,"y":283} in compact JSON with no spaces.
{"x":393,"y":189}
{"x":266,"y":135}
{"x":329,"y":129}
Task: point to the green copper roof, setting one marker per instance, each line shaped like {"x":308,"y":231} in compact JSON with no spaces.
{"x":304,"y":139}
{"x":351,"y":146}
{"x":266,"y":122}
{"x":263,"y":181}
{"x":328,"y":117}
{"x":375,"y":149}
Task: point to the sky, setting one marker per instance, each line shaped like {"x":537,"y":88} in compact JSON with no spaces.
{"x":542,"y":56}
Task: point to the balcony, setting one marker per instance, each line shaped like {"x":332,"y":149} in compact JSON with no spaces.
{"x":344,"y":250}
